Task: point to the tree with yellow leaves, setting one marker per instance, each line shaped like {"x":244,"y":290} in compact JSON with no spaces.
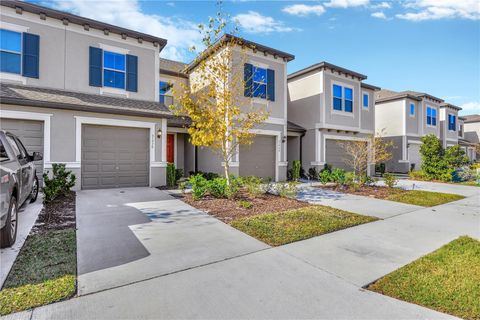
{"x":222,"y":115}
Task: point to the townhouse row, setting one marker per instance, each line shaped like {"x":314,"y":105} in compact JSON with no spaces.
{"x":94,"y":96}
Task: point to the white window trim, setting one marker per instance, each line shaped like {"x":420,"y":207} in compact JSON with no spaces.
{"x":106,"y":47}
{"x":11,"y":75}
{"x":414,"y":110}
{"x":278,"y":146}
{"x":111,"y":90}
{"x":45,"y":117}
{"x":342,"y":112}
{"x":426,"y":117}
{"x":79,"y":121}
{"x":107,"y":89}
{"x":367,"y":108}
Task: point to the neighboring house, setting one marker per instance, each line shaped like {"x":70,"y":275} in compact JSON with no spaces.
{"x":266,"y":157}
{"x":467,"y":146}
{"x":404,"y":118}
{"x":327,"y":104}
{"x":449,"y":124}
{"x":84,"y":93}
{"x":471,"y":128}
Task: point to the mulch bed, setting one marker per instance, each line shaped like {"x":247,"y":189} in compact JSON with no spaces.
{"x":57,"y":215}
{"x":228,"y":210}
{"x":378,"y":192}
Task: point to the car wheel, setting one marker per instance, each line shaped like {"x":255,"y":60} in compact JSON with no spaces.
{"x":8,"y":234}
{"x":34,"y":192}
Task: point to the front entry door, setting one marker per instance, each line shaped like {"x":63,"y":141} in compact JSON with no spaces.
{"x":170,"y":148}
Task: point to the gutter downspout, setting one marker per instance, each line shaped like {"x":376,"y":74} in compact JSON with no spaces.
{"x":301,"y":148}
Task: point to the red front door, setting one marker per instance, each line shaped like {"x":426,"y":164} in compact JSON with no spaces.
{"x":170,"y":147}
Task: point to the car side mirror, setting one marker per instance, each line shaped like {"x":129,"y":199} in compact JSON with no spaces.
{"x":37,"y":156}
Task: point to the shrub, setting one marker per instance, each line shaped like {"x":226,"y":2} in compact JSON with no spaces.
{"x":312,"y":173}
{"x":418,"y":175}
{"x":328,"y":167}
{"x":60,"y":183}
{"x":178,"y":174}
{"x":338,"y":176}
{"x":351,"y":181}
{"x":218,"y":187}
{"x":325,"y":176}
{"x":433,"y":163}
{"x":365,"y":179}
{"x":199,"y":186}
{"x":455,"y":157}
{"x":171,"y":175}
{"x":288,"y":189}
{"x":253,"y":185}
{"x":245,"y":204}
{"x":390,"y":180}
{"x":296,"y":170}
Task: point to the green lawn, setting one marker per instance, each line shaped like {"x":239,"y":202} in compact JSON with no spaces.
{"x":424,"y":198}
{"x":298,"y":224}
{"x":468,"y":183}
{"x":447,"y":280}
{"x":44,"y":272}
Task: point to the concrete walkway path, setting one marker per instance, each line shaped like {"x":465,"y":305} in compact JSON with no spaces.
{"x":359,"y":204}
{"x":133,"y":234}
{"x":27,"y":215}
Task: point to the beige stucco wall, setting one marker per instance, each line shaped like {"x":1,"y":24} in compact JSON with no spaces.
{"x":64,"y":55}
{"x":304,"y":94}
{"x":472,"y":132}
{"x":389,"y":118}
{"x":448,"y":136}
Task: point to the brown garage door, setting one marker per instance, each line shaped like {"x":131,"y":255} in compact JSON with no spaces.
{"x":258,"y":159}
{"x":335,"y":155}
{"x":30,"y":133}
{"x":114,"y":157}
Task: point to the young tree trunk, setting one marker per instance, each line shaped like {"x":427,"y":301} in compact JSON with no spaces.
{"x":227,"y":171}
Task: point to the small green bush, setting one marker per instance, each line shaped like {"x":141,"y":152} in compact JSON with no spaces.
{"x":253,"y":185}
{"x":325,"y":176}
{"x":288,"y":189}
{"x":218,"y":188}
{"x":351,"y":181}
{"x":245,"y":204}
{"x":296,"y":165}
{"x":171,"y":175}
{"x":60,"y":183}
{"x":418,"y":175}
{"x":390,"y":180}
{"x":365,"y":180}
{"x":338,"y":176}
{"x":199,"y":186}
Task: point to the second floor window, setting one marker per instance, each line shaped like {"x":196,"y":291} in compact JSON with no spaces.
{"x":165,"y":93}
{"x":259,"y":82}
{"x":113,"y":70}
{"x":431,"y":116}
{"x":451,"y":122}
{"x":10,"y":51}
{"x":412,"y":109}
{"x":342,"y":98}
{"x":365,"y":100}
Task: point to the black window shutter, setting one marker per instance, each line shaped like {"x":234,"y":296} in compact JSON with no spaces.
{"x":132,"y":71}
{"x":95,"y":75}
{"x":270,"y":84}
{"x":31,"y":55}
{"x":248,"y":79}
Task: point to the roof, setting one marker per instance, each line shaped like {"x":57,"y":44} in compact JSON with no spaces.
{"x":294,"y":127}
{"x":56,"y":14}
{"x":253,"y":45}
{"x":173,"y":68}
{"x":324,"y":65}
{"x":385,"y":95}
{"x":60,"y":99}
{"x":369,"y":86}
{"x":472,"y":118}
{"x":449,"y":105}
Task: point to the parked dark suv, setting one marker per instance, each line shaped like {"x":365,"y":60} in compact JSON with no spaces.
{"x":18,"y":183}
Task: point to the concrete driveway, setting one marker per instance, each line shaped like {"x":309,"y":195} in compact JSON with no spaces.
{"x":132,"y":234}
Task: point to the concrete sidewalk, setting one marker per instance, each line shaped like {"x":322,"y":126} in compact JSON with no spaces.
{"x":358,"y":204}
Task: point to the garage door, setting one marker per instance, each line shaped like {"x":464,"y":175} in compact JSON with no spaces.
{"x":30,"y":133}
{"x":335,"y":155}
{"x":258,"y":159}
{"x":114,"y":157}
{"x":414,"y":155}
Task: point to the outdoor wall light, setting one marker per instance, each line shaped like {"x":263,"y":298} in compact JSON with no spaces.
{"x":284,"y":138}
{"x":159,"y":133}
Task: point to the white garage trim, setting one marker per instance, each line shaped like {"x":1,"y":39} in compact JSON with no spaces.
{"x":79,"y":121}
{"x":45,"y":117}
{"x":278,"y":145}
{"x":414,"y":142}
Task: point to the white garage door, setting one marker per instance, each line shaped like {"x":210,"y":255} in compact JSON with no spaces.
{"x":414,"y":155}
{"x":335,"y":155}
{"x":31,"y":134}
{"x":114,"y":157}
{"x":258,"y":159}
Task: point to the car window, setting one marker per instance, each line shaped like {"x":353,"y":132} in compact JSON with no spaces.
{"x":13,"y":145}
{"x":22,"y":149}
{"x":3,"y":152}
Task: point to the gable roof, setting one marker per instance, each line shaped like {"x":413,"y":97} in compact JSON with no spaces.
{"x":369,"y":86}
{"x":250,"y":44}
{"x":385,"y":95}
{"x":326,"y":65}
{"x":472,"y":118}
{"x":61,"y":15}
{"x":61,"y":99}
{"x":173,"y":68}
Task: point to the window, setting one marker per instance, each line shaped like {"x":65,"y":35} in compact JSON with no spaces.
{"x":342,"y":98}
{"x":259,"y":82}
{"x":412,"y":109}
{"x":165,"y":94}
{"x":365,"y":100}
{"x":452,"y":122}
{"x":3,"y":153}
{"x":10,"y":51}
{"x":431,"y":116}
{"x":13,"y":145}
{"x":113,"y":70}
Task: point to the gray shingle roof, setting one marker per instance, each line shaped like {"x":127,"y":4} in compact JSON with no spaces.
{"x":385,"y":95}
{"x":472,"y":118}
{"x":174,"y":68}
{"x":61,"y":99}
{"x":325,"y":65}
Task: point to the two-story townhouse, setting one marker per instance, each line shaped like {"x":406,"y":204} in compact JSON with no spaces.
{"x":471,"y":133}
{"x":449,"y":124}
{"x":85,"y":93}
{"x":332,"y":104}
{"x":266,"y":157}
{"x":404,"y":118}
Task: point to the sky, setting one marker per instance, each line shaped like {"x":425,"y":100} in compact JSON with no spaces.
{"x":430,"y":46}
